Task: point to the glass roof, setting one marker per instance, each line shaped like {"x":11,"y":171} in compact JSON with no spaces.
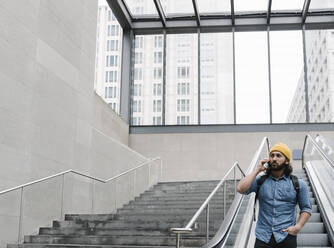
{"x":287,"y":5}
{"x":213,"y":6}
{"x":253,"y":5}
{"x":321,"y":4}
{"x":177,"y":7}
{"x":141,"y":7}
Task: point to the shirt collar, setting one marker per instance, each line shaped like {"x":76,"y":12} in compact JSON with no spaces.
{"x":282,"y":177}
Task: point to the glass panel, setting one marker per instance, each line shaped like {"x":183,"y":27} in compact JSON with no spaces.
{"x":141,"y":7}
{"x":177,"y":7}
{"x":254,"y":5}
{"x":182,"y":79}
{"x":252,"y":90}
{"x":287,"y":5}
{"x":148,"y":76}
{"x":320,"y":73}
{"x":108,"y":57}
{"x":286,"y":54}
{"x":213,"y":6}
{"x":216,"y":78}
{"x":322,"y":4}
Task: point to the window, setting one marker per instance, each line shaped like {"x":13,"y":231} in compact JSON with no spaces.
{"x":139,"y":40}
{"x":136,"y":106}
{"x":108,"y":33}
{"x":182,"y":120}
{"x":138,"y":58}
{"x":156,"y":105}
{"x":105,"y":92}
{"x":114,"y":30}
{"x":114,"y":45}
{"x":157,"y":73}
{"x":112,"y":76}
{"x":107,"y":61}
{"x":157,"y":57}
{"x":183,"y":105}
{"x":156,"y":120}
{"x":157,"y":89}
{"x":183,"y":88}
{"x":138,"y":74}
{"x":106,"y":77}
{"x":109,"y":15}
{"x":108,"y":45}
{"x":183,"y":72}
{"x":158,"y":41}
{"x":136,"y":121}
{"x":137,"y":90}
{"x":113,"y":60}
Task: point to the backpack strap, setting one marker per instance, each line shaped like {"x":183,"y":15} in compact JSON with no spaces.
{"x":259,"y":183}
{"x":295,"y":183}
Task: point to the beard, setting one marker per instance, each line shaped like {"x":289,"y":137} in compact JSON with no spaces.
{"x":278,"y":167}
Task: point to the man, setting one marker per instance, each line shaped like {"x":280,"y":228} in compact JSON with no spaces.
{"x":276,"y":225}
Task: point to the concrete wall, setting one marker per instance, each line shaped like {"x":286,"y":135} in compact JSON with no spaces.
{"x":51,"y":120}
{"x":203,"y":156}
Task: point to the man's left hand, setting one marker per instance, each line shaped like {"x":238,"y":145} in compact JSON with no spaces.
{"x":292,"y":230}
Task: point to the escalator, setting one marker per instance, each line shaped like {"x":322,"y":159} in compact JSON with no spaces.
{"x":318,"y":173}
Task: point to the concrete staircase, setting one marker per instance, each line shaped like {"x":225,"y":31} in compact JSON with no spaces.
{"x":144,"y":222}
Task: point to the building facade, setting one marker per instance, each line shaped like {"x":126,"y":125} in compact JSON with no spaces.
{"x":320,"y":75}
{"x":108,"y":56}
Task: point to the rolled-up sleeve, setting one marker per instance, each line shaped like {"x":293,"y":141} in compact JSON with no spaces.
{"x":304,"y":200}
{"x":253,"y":186}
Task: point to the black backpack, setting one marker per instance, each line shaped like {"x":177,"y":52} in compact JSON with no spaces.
{"x":295,"y":183}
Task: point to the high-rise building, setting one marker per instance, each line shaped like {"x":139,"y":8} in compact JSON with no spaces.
{"x":320,"y":75}
{"x":108,"y":56}
{"x":181,"y":96}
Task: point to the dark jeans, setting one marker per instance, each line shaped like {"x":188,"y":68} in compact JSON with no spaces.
{"x":289,"y":242}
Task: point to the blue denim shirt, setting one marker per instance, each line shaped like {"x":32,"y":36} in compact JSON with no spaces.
{"x":277,"y":206}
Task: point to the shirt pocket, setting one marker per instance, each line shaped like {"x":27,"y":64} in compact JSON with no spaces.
{"x":287,"y":193}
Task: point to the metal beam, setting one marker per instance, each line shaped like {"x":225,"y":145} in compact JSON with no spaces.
{"x":198,"y":19}
{"x":160,"y":12}
{"x":232,"y":13}
{"x":164,"y":75}
{"x":269,"y":11}
{"x":121,"y":13}
{"x":232,"y":128}
{"x":305,"y":77}
{"x":269,"y":77}
{"x":305,"y":10}
{"x":278,"y":21}
{"x":199,"y":76}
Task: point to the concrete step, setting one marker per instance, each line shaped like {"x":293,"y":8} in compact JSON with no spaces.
{"x":126,"y":230}
{"x":118,"y":240}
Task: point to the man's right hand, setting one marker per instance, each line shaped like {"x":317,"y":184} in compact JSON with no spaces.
{"x":260,"y":167}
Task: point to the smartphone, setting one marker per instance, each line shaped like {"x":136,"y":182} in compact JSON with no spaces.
{"x":267,"y":165}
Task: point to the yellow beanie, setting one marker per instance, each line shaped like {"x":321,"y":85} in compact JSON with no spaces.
{"x":283,"y":148}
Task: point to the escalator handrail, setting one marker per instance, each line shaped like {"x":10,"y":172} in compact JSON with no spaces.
{"x":222,"y":234}
{"x":324,"y":155}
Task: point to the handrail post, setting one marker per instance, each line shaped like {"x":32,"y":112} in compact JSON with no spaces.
{"x":235,"y":182}
{"x":21,"y":217}
{"x":93,"y":195}
{"x":178,"y":240}
{"x":160,"y":170}
{"x":207,"y":222}
{"x":62,"y":197}
{"x":149,"y":174}
{"x":134,"y":183}
{"x":224,"y":199}
{"x":115,"y":195}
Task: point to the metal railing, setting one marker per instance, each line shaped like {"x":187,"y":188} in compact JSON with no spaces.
{"x":206,"y":205}
{"x":321,"y":178}
{"x":94,"y":179}
{"x":318,"y":148}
